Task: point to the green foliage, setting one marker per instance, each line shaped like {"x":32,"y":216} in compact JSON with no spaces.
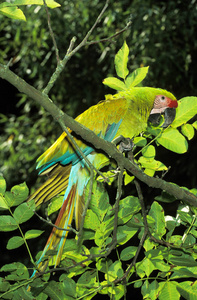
{"x":12,"y":11}
{"x":133,"y":79}
{"x":171,"y":138}
{"x":160,"y":36}
{"x":159,"y":271}
{"x":167,"y":269}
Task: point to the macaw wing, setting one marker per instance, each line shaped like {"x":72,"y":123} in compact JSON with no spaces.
{"x":104,"y":119}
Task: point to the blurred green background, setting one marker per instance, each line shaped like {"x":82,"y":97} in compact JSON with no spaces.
{"x":162,"y":35}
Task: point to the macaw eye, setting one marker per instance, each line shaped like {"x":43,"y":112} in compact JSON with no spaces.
{"x":163,"y":97}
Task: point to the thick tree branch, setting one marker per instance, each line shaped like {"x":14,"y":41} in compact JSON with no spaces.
{"x":91,"y":137}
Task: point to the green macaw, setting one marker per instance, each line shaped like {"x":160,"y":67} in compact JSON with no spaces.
{"x":125,"y":113}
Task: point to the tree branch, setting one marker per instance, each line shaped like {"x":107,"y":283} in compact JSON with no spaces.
{"x":91,"y":137}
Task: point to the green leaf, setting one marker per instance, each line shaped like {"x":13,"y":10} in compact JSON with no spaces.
{"x":88,"y":277}
{"x":173,"y":140}
{"x":185,"y":216}
{"x":91,"y":220}
{"x":125,"y":233}
{"x":3,"y":203}
{"x":4,"y":285}
{"x":128,"y":178}
{"x":7,"y":223}
{"x":9,"y":199}
{"x":33,"y":233}
{"x":103,"y":264}
{"x":99,"y":203}
{"x":150,"y":290}
{"x":50,"y":3}
{"x":168,"y":291}
{"x":55,"y":204}
{"x":176,"y":240}
{"x":127,"y":208}
{"x":15,"y":242}
{"x":128,"y":253}
{"x":109,"y":175}
{"x":55,"y":290}
{"x":115,"y":270}
{"x":9,"y":267}
{"x":136,"y":77}
{"x":146,"y":266}
{"x":151,"y":164}
{"x":17,"y":270}
{"x":195,"y":125}
{"x":140,"y":141}
{"x":103,"y":231}
{"x":157,"y":213}
{"x":149,"y":152}
{"x":69,"y":286}
{"x":20,"y":193}
{"x":23,"y":213}
{"x":187,"y":109}
{"x":165,"y":197}
{"x":179,"y":258}
{"x":13,"y":12}
{"x":115,"y":83}
{"x":121,"y":60}
{"x":188,"y":131}
{"x":187,"y":289}
{"x":184,"y":272}
{"x":153,"y":288}
{"x":2,"y":185}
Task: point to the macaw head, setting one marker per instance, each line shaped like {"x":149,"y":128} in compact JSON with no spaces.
{"x":163,"y":105}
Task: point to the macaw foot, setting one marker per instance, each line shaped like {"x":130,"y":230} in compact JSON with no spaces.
{"x":125,"y":144}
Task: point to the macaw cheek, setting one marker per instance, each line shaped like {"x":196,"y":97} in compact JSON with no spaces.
{"x":169,"y":116}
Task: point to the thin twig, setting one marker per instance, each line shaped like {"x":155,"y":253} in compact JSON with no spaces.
{"x":51,"y":33}
{"x":141,"y":199}
{"x":112,"y":36}
{"x":71,"y":52}
{"x":116,"y":206}
{"x":126,"y":274}
{"x":71,"y":45}
{"x":84,"y":41}
{"x":53,"y":225}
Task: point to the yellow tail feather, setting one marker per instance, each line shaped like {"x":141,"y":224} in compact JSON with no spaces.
{"x":55,"y":184}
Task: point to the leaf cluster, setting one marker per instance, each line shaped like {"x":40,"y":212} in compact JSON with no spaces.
{"x":161,"y":271}
{"x":174,"y":138}
{"x":158,"y":37}
{"x":12,"y":11}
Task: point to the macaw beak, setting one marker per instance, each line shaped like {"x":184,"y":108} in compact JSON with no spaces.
{"x":169,"y":116}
